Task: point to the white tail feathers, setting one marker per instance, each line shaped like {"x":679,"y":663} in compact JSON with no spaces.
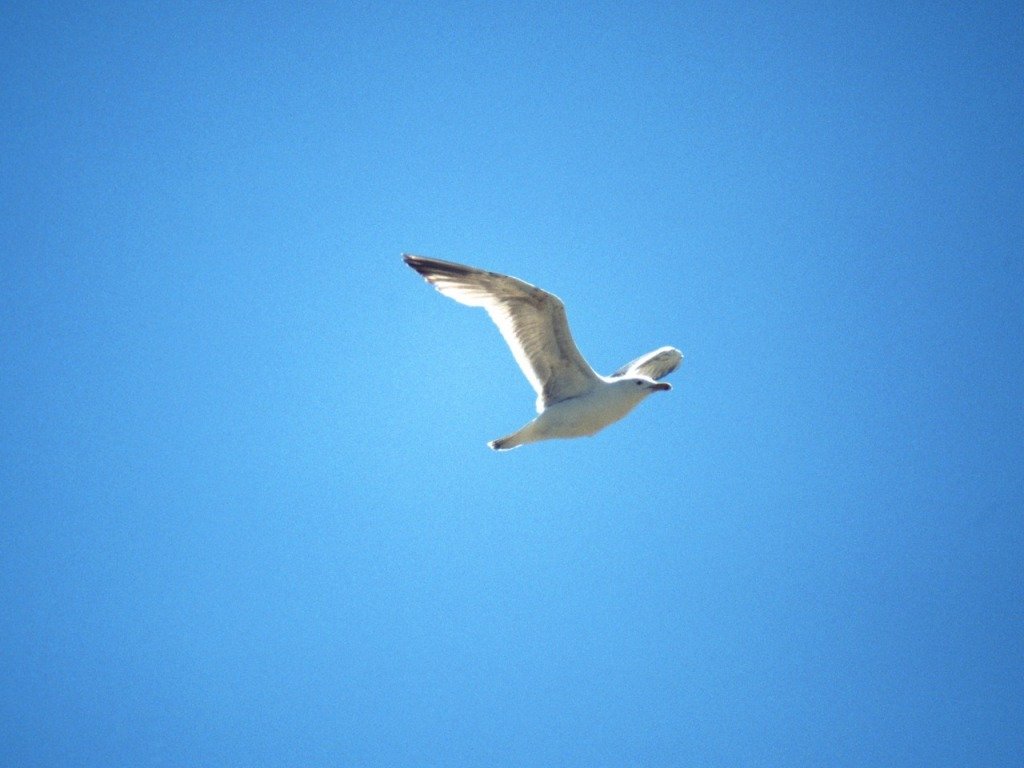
{"x":517,"y":438}
{"x":506,"y":443}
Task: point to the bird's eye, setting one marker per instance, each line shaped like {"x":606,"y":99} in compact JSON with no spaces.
{"x":639,"y":383}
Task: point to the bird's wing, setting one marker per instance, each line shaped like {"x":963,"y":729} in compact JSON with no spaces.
{"x":656,"y":365}
{"x":532,"y":321}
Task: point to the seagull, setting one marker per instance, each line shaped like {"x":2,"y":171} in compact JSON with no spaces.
{"x":572,"y":400}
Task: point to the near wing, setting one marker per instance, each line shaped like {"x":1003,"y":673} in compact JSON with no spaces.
{"x":531,"y":320}
{"x":655,"y":365}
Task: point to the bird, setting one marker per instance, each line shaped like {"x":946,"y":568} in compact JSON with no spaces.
{"x":572,"y":399}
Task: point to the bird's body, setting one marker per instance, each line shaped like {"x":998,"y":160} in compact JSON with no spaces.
{"x":580,"y":416}
{"x":572,"y":400}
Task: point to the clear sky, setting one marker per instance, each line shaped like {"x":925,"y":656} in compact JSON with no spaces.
{"x":249,"y":514}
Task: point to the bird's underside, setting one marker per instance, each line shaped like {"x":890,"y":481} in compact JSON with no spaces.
{"x":572,"y":400}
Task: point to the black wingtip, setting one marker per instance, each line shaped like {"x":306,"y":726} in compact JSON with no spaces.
{"x":433,"y":267}
{"x":418,"y":263}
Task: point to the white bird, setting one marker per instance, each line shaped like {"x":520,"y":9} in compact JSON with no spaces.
{"x":572,"y":400}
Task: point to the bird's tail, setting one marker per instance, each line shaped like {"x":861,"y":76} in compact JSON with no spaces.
{"x":506,"y":443}
{"x":522,"y":436}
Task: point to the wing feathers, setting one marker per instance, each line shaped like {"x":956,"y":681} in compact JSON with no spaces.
{"x":656,"y":365}
{"x":532,"y":322}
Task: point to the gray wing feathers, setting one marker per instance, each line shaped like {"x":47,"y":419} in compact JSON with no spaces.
{"x":532,"y":321}
{"x":656,"y":365}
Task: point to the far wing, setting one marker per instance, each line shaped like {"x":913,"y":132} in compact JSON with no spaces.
{"x":532,"y":322}
{"x":656,"y":365}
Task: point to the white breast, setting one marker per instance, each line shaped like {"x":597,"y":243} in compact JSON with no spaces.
{"x":588,"y":414}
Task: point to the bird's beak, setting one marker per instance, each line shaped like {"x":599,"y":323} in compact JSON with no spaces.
{"x":661,"y":386}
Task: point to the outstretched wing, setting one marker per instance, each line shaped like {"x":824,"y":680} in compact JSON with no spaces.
{"x":656,"y":365}
{"x":532,"y":322}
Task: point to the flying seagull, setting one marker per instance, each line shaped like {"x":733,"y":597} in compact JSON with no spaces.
{"x":572,"y":400}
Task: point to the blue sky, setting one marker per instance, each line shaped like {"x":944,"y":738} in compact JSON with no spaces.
{"x":249,"y":517}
